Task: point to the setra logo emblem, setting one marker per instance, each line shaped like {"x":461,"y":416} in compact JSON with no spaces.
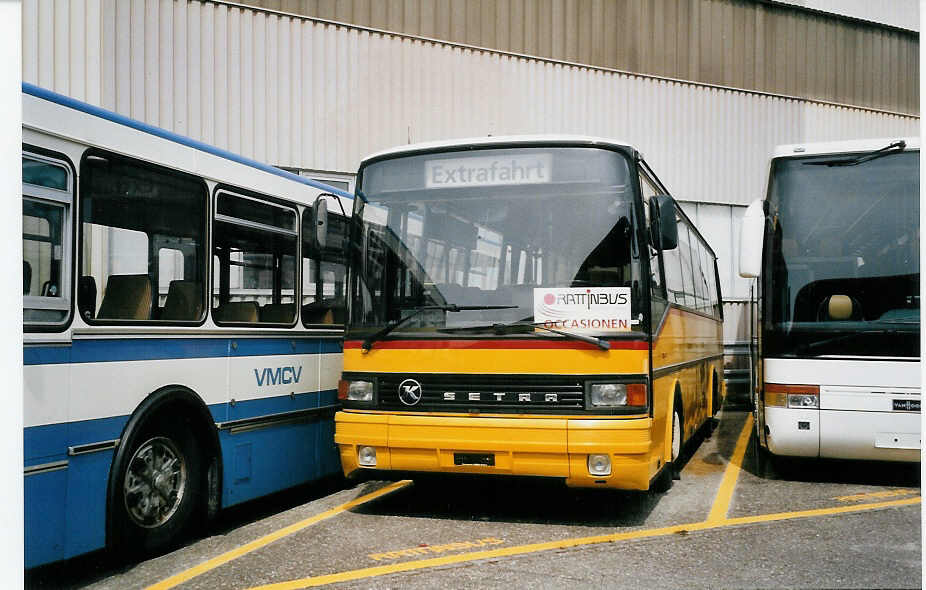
{"x":409,"y":392}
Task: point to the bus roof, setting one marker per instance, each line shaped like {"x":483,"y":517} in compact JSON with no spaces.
{"x":102,"y":113}
{"x":498,"y":141}
{"x":840,"y":147}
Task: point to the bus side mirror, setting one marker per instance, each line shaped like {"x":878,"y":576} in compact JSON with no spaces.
{"x":320,"y":222}
{"x":663,"y":224}
{"x":751,"y":236}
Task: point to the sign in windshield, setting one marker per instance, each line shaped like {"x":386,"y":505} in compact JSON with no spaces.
{"x":588,"y":309}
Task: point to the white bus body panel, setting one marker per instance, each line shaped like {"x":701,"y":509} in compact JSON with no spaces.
{"x":856,"y":419}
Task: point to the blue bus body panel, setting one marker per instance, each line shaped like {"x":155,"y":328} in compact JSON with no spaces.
{"x":300,"y":451}
{"x":65,"y":510}
{"x":45,"y":506}
{"x":88,"y":477}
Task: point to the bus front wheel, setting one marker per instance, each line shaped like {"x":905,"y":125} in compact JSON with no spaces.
{"x":159,"y":489}
{"x":676,"y":440}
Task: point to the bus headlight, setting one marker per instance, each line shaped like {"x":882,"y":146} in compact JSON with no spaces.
{"x":357,"y":391}
{"x":803,"y":401}
{"x":366,"y":457}
{"x":599,"y":465}
{"x":616,"y":395}
{"x":608,"y":394}
{"x":804,"y":397}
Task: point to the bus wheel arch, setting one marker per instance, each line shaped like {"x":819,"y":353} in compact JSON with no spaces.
{"x":173,"y":423}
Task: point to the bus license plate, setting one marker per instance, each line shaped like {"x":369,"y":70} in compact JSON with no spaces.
{"x":485,"y":460}
{"x":907,"y":405}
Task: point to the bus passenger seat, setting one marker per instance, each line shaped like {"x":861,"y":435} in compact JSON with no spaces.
{"x":278,"y":313}
{"x":317,"y":313}
{"x":237,"y":311}
{"x":86,"y":297}
{"x":839,"y":308}
{"x":127,"y":297}
{"x":184,"y":301}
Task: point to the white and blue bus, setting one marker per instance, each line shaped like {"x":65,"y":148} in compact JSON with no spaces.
{"x":835,"y":245}
{"x":182,"y":319}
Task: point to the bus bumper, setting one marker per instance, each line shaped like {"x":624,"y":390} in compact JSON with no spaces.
{"x":842,"y":434}
{"x":544,"y":447}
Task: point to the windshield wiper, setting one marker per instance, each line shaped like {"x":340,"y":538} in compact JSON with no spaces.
{"x":382,"y":332}
{"x":898,"y":146}
{"x":501,"y":329}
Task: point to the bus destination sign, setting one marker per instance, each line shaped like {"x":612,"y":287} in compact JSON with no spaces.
{"x":489,"y":171}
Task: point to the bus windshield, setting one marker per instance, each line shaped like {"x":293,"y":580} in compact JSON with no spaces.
{"x":491,"y":229}
{"x":843,"y":260}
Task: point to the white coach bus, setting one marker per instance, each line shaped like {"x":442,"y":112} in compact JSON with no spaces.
{"x":835,"y":246}
{"x":182,"y":329}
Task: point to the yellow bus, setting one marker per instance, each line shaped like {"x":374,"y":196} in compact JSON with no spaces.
{"x":528,"y":305}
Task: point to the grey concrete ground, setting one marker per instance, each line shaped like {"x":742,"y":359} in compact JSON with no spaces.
{"x":425,"y":520}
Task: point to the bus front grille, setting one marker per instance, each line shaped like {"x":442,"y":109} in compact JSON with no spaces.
{"x":485,"y":393}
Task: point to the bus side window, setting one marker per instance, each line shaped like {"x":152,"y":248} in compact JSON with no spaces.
{"x":255,"y":261}
{"x":46,"y":207}
{"x":137,"y":219}
{"x":324,"y":272}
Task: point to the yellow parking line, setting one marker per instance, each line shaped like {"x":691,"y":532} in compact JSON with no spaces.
{"x":267,"y":539}
{"x":569,"y":543}
{"x":728,"y":483}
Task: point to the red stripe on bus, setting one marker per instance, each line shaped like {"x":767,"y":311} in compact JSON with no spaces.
{"x":497,"y":345}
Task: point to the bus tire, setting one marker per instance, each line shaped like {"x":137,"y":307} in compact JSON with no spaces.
{"x":760,"y":455}
{"x":676,"y":444}
{"x":662,"y":483}
{"x":158,"y":489}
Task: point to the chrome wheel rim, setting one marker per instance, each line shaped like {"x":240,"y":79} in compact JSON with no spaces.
{"x":155,"y":482}
{"x":676,"y":435}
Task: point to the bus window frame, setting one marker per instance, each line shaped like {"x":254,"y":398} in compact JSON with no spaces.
{"x":206,"y":239}
{"x":636,"y":166}
{"x":646,"y":175}
{"x":316,"y":256}
{"x":67,"y":199}
{"x":645,"y":172}
{"x":249,"y":195}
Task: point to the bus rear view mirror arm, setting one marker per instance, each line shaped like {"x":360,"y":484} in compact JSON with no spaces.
{"x":751,"y":237}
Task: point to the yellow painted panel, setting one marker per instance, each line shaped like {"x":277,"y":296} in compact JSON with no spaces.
{"x":497,"y":361}
{"x":551,"y":447}
{"x":610,"y":436}
{"x":478,"y":434}
{"x":372,"y":429}
{"x":631,"y":472}
{"x":686,"y":336}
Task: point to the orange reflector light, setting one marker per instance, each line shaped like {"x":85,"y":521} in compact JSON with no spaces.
{"x":636,"y":394}
{"x":343,"y":386}
{"x":776,"y":394}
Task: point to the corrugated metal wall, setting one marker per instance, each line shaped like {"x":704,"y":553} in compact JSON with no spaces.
{"x":895,"y":13}
{"x":740,"y":43}
{"x":295,"y":92}
{"x":300,"y":93}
